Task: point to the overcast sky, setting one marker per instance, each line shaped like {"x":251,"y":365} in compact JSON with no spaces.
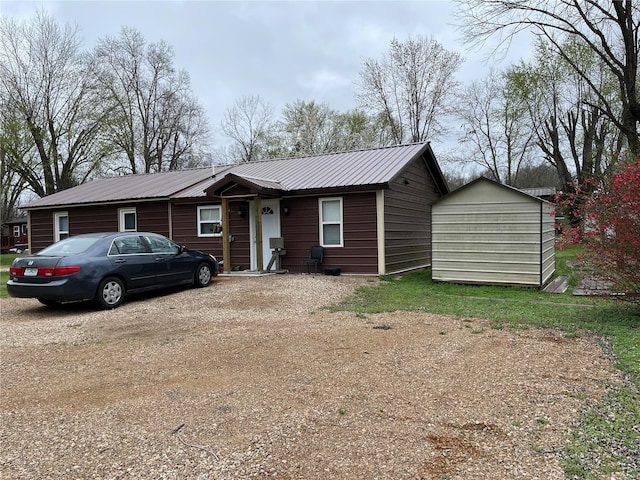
{"x":282,"y":51}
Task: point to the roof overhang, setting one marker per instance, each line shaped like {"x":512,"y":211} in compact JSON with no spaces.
{"x":254,"y":186}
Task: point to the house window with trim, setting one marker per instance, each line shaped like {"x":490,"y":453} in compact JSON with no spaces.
{"x":210,"y":221}
{"x":16,"y":230}
{"x":331,"y":222}
{"x":128,"y":220}
{"x":60,"y":226}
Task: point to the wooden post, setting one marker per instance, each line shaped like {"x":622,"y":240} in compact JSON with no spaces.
{"x":226,"y":234}
{"x":258,"y":222}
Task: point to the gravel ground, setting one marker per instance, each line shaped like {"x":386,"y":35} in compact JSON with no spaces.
{"x":251,"y":378}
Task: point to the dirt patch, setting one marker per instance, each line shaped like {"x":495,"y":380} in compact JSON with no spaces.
{"x":252,"y":378}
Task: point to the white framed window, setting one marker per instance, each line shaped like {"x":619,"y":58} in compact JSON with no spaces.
{"x":331,"y":222}
{"x":60,"y":226}
{"x":128,"y":220}
{"x":16,"y":230}
{"x":210,"y":221}
{"x":24,"y":228}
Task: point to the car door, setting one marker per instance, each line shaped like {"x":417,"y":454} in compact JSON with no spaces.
{"x":131,"y":257}
{"x":174,"y":266}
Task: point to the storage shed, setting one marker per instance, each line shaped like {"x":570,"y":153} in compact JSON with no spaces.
{"x":489,"y":233}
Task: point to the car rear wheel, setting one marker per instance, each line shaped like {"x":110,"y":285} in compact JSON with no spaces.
{"x":203,"y":275}
{"x":110,"y":293}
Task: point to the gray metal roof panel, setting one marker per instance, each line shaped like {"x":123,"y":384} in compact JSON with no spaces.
{"x":128,"y":187}
{"x":345,"y":169}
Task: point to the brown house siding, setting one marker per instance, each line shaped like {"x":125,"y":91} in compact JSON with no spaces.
{"x":407,"y":214}
{"x":41,"y":229}
{"x":96,"y":218}
{"x":300,"y":230}
{"x":185,"y":232}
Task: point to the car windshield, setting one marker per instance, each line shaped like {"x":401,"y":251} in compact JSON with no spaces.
{"x":68,"y":246}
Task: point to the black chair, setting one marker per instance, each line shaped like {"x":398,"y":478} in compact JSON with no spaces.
{"x":315,"y":258}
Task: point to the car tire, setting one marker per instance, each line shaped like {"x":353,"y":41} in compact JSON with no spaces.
{"x":204,"y":274}
{"x":49,"y":303}
{"x":110,"y":293}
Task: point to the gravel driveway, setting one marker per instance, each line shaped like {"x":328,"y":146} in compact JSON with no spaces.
{"x":252,"y":378}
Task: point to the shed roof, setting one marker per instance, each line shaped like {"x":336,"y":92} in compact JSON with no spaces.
{"x":492,"y":182}
{"x":356,"y":168}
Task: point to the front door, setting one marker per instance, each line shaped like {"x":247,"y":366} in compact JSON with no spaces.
{"x":270,"y":229}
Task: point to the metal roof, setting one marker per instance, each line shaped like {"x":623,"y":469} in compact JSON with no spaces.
{"x":344,"y":169}
{"x":377,"y":166}
{"x":127,"y":187}
{"x":540,"y":191}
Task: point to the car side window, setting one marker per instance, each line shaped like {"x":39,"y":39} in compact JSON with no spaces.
{"x":128,"y":246}
{"x":162,"y":245}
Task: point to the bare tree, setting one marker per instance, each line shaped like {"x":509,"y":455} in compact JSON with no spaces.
{"x":495,"y":128}
{"x":48,"y":89}
{"x":156,"y":122}
{"x":249,"y":123}
{"x":411,"y":86}
{"x":608,"y":28}
{"x":572,"y":133}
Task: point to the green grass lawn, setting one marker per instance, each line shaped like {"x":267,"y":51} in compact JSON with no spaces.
{"x":5,"y":262}
{"x":599,"y":445}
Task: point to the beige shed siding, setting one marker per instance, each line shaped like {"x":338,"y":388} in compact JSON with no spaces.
{"x":490,"y":234}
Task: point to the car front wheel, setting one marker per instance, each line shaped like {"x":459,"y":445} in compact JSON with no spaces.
{"x":203,"y":275}
{"x":110,"y":293}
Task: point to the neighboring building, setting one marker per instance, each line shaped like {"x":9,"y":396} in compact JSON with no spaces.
{"x":488,"y":233}
{"x":545,"y":193}
{"x":13,"y":235}
{"x":369,"y":209}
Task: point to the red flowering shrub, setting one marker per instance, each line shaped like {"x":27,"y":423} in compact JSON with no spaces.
{"x":609,"y":227}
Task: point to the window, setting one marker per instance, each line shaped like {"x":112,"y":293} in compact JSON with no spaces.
{"x":128,"y":220}
{"x":209,"y":221}
{"x":162,"y":245}
{"x":16,"y":230}
{"x":60,"y":226}
{"x":128,"y":246}
{"x":24,"y":228}
{"x":331,"y":222}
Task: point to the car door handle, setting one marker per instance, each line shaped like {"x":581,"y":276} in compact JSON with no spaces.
{"x":159,"y":259}
{"x":120,"y":260}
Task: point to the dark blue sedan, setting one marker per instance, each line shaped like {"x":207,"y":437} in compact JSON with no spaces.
{"x":105,"y":267}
